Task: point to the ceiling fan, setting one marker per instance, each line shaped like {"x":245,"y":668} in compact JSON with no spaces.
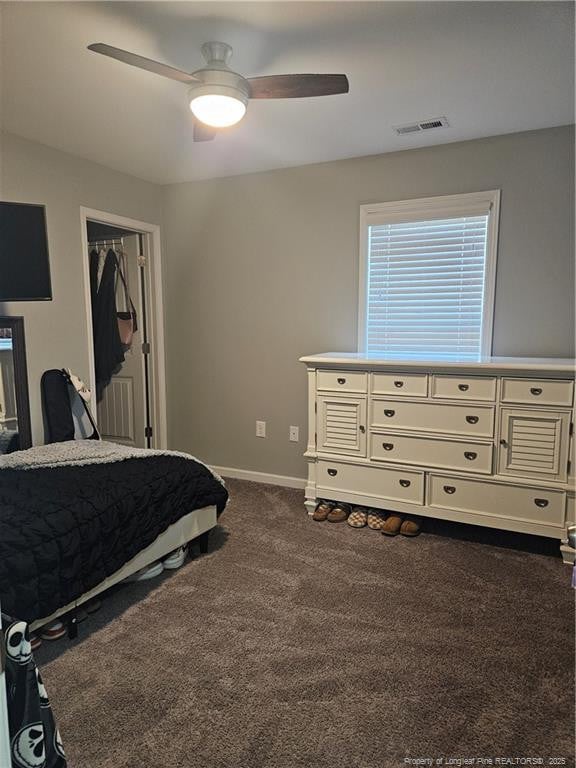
{"x":218,"y":96}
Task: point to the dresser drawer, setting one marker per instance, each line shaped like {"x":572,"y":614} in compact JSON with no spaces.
{"x":535,"y":505}
{"x":432,"y":452}
{"x":537,"y":391}
{"x":476,"y":420}
{"x":464,"y":387}
{"x":334,"y":478}
{"x":400,"y":384}
{"x":342,"y":381}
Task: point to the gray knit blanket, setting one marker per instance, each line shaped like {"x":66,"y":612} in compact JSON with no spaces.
{"x":80,"y":452}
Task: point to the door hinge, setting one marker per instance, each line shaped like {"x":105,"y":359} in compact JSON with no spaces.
{"x":571,"y":431}
{"x":146,"y":348}
{"x":147,"y":431}
{"x":141,"y":260}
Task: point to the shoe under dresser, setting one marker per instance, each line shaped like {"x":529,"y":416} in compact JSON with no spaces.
{"x":489,"y":442}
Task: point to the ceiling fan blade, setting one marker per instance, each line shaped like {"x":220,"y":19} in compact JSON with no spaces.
{"x":296,"y":86}
{"x":142,"y":62}
{"x":203,"y":132}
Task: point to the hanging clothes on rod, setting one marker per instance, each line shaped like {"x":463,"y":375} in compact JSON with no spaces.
{"x":113,"y":330}
{"x":108,"y":349}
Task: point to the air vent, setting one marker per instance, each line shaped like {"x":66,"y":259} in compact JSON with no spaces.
{"x":423,"y":125}
{"x":402,"y":129}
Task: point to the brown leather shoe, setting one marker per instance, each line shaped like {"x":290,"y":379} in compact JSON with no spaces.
{"x":392,"y":525}
{"x":338,"y":514}
{"x":411,"y":526}
{"x":321,"y":512}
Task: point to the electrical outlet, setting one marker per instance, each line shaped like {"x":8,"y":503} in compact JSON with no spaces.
{"x":260,"y":429}
{"x":294,"y":434}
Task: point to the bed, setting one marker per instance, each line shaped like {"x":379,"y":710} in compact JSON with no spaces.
{"x":87,"y":514}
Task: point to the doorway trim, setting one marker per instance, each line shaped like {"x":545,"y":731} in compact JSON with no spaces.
{"x":159,"y":425}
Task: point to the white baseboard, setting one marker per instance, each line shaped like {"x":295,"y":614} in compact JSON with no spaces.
{"x":261,"y":477}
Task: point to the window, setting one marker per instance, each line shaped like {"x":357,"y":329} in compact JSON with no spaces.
{"x":427,"y":275}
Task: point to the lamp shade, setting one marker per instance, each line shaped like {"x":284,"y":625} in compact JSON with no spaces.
{"x":218,"y":105}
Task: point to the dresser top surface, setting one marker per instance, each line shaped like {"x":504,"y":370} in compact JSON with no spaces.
{"x":557,"y":365}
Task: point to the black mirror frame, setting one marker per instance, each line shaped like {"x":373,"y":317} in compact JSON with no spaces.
{"x":16,"y":324}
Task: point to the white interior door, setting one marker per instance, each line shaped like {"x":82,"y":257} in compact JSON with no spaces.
{"x":122,"y":411}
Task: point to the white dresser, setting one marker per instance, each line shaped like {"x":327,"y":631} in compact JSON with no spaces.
{"x":487,"y":442}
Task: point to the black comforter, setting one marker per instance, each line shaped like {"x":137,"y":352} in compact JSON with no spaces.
{"x":63,"y":530}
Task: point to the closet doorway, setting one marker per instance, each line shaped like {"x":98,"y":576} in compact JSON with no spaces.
{"x":123,"y":281}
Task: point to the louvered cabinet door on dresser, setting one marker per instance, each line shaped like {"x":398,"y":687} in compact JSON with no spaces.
{"x":341,"y":424}
{"x":486,"y":442}
{"x":534,"y":444}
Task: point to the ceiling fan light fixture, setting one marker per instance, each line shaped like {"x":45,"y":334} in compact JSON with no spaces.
{"x":217,"y":104}
{"x":218,"y":110}
{"x":218,"y":96}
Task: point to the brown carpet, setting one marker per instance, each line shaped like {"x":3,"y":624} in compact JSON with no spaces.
{"x":295,"y":643}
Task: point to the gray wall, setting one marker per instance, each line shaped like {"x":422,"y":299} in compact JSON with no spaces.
{"x":56,"y":333}
{"x":262,"y":269}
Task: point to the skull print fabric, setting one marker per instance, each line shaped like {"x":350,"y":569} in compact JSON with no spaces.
{"x":34,"y":738}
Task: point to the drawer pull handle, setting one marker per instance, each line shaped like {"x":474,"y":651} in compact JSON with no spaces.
{"x":503,"y":443}
{"x":389,"y":413}
{"x":472,"y":419}
{"x":362,"y":429}
{"x":341,"y":381}
{"x":332,"y":472}
{"x":541,"y":502}
{"x":463,"y":387}
{"x":387,"y":446}
{"x":405,"y":483}
{"x":449,"y":489}
{"x":398,"y":384}
{"x":536,"y":390}
{"x":470,"y":455}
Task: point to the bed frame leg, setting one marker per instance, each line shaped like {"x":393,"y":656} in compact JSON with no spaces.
{"x":72,"y":627}
{"x":203,"y":542}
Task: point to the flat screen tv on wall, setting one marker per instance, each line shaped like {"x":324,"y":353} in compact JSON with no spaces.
{"x":24,"y":264}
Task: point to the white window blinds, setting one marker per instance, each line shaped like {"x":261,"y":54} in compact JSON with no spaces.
{"x":426,"y":285}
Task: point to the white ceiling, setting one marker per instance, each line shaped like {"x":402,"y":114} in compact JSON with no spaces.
{"x":490,"y":67}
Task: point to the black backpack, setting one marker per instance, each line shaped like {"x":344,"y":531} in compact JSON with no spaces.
{"x":58,"y":397}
